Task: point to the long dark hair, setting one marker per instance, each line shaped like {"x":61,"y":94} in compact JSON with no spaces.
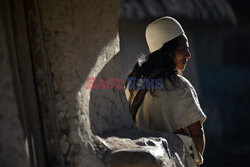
{"x":159,"y":64}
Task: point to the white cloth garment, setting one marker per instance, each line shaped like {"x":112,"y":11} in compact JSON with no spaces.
{"x":169,"y":110}
{"x":189,"y":152}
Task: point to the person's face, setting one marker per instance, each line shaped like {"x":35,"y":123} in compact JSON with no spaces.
{"x":181,"y":53}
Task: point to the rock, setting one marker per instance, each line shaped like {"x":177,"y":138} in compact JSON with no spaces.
{"x":142,"y":152}
{"x":132,"y":158}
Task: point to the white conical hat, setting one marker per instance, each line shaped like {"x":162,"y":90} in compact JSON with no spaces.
{"x":161,"y":31}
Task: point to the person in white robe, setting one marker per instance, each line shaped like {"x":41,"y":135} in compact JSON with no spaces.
{"x":175,"y":107}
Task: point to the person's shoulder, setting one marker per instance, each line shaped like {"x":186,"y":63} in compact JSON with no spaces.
{"x":185,"y":81}
{"x":176,"y":83}
{"x":188,"y":86}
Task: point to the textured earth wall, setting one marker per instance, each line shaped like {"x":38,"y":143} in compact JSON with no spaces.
{"x":95,"y":129}
{"x":81,"y":40}
{"x":13,"y":144}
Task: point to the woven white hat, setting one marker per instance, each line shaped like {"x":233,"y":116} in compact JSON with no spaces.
{"x":161,"y":31}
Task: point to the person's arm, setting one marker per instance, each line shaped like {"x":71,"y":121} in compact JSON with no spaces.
{"x":197,"y":133}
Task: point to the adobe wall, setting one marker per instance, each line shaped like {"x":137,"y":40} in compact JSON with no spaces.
{"x":81,"y":40}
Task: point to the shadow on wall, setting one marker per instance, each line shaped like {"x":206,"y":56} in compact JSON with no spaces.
{"x":108,"y":108}
{"x":70,"y":70}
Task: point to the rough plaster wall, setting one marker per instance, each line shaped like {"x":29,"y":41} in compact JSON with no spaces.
{"x":80,"y":38}
{"x":108,"y":108}
{"x":12,"y":141}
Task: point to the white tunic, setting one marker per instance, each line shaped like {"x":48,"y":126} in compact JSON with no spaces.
{"x":170,"y":109}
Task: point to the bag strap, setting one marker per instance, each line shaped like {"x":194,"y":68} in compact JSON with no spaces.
{"x":134,"y":107}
